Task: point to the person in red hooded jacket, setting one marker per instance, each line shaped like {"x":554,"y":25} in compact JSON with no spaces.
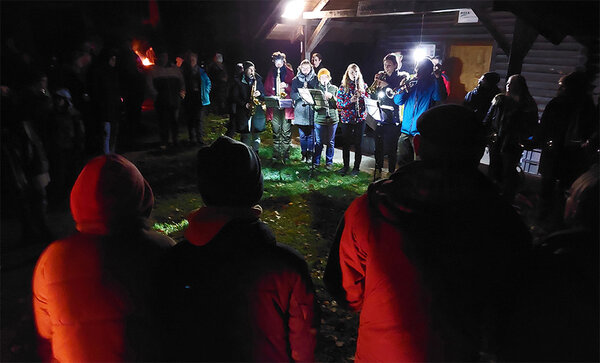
{"x":230,"y":292}
{"x":430,"y":257}
{"x":93,"y":293}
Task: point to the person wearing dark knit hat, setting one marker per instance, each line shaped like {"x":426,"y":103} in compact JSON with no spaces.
{"x":243,"y":186}
{"x":247,"y":64}
{"x":229,"y":284}
{"x":450,"y":134}
{"x":434,"y":245}
{"x":250,"y":117}
{"x":480,"y":98}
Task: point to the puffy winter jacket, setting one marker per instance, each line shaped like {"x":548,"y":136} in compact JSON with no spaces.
{"x":230,"y":293}
{"x":303,"y":113}
{"x":428,"y":258}
{"x":93,"y":291}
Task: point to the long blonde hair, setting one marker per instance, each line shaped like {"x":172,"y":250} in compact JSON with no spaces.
{"x":360,"y":83}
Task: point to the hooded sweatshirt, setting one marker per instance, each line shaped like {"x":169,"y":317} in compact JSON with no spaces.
{"x":427,"y":257}
{"x":234,"y":294}
{"x":92,"y":291}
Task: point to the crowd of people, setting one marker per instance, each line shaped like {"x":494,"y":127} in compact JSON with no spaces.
{"x":57,"y":115}
{"x":437,"y":262}
{"x":433,"y":256}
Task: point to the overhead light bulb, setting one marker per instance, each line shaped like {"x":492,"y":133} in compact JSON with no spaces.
{"x":293,"y":9}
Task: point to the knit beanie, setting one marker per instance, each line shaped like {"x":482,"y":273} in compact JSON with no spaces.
{"x":323,"y":71}
{"x":229,"y":174}
{"x":492,"y":78}
{"x":450,"y":133}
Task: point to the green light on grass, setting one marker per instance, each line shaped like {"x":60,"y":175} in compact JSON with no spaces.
{"x":170,"y":228}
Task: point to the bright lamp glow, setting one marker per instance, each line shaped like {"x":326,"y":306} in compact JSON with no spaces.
{"x":419,"y":53}
{"x":293,"y":9}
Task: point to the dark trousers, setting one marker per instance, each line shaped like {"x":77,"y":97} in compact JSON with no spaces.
{"x":503,"y":170}
{"x":231,"y":125}
{"x":386,"y":143}
{"x":167,"y":121}
{"x":133,"y":120}
{"x":194,"y":114}
{"x":352,"y":134}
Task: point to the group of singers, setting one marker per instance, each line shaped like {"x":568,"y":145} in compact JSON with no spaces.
{"x":394,"y":101}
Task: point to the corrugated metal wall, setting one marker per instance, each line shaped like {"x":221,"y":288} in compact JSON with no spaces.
{"x":543,"y":66}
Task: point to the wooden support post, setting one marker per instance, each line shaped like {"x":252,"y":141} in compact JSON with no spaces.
{"x":523,"y":38}
{"x":487,"y":22}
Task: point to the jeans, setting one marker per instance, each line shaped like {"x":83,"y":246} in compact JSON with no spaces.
{"x":325,"y":134}
{"x":352,"y":134}
{"x":306,"y":138}
{"x":110,"y":137}
{"x":406,"y":149}
{"x":282,"y":134}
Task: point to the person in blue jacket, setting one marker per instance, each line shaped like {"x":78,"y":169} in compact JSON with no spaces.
{"x":197,"y":91}
{"x":417,"y":95}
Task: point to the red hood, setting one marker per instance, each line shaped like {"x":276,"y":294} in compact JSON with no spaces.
{"x":110,"y":192}
{"x":206,"y":222}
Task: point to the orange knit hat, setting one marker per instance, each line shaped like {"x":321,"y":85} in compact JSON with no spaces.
{"x":323,"y":71}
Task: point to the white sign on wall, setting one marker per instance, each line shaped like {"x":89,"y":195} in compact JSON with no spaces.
{"x":467,"y":16}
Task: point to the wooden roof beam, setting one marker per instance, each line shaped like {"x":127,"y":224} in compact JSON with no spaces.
{"x":270,"y":22}
{"x":318,"y":35}
{"x":320,"y":5}
{"x":343,"y":13}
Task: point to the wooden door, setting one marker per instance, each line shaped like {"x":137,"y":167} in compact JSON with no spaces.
{"x":465,"y":64}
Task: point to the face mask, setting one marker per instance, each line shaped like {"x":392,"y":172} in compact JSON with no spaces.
{"x":219,"y":58}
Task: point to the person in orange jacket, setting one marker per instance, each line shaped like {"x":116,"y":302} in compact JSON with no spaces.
{"x":431,"y":256}
{"x":93,"y":292}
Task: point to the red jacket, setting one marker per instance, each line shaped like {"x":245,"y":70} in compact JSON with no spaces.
{"x":424,"y":257}
{"x":230,"y":293}
{"x":270,"y":89}
{"x":93,"y":288}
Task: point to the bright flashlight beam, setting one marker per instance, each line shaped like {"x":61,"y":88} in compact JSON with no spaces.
{"x":419,"y":54}
{"x":293,"y":9}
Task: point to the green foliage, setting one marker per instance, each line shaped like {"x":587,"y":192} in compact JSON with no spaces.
{"x":302,"y":206}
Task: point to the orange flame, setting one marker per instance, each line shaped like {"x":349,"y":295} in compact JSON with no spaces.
{"x":148,"y":57}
